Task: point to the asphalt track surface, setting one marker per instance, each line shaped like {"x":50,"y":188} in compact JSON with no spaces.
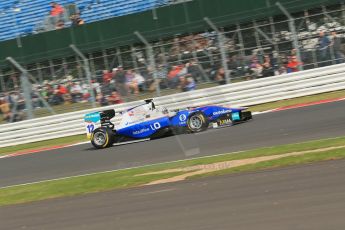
{"x":309,"y":197}
{"x":290,"y":126}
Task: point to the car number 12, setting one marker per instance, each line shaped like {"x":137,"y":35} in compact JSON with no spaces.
{"x":90,"y":128}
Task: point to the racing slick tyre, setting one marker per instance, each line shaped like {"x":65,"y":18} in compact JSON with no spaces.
{"x":197,"y":122}
{"x":102,"y":138}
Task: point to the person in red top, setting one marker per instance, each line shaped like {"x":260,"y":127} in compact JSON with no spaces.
{"x":173,"y":76}
{"x":107,"y":76}
{"x":56,"y":10}
{"x":293,"y":65}
{"x":114,"y":98}
{"x":62,"y":89}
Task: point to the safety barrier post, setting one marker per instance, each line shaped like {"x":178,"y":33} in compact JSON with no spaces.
{"x":293,"y":32}
{"x":150,"y":56}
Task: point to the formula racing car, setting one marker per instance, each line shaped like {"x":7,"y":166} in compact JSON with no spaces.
{"x":148,"y":121}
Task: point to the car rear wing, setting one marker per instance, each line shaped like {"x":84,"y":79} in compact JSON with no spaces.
{"x":98,"y":119}
{"x":92,"y":121}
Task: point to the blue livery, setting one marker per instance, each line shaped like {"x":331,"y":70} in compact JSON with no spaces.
{"x":147,"y":121}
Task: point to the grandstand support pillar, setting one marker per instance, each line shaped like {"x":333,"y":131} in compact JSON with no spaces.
{"x":92,"y":63}
{"x":27,"y":88}
{"x":240,"y":39}
{"x":343,"y":12}
{"x":87,"y":72}
{"x":293,"y":32}
{"x":162,"y":50}
{"x":52,"y":69}
{"x":150,"y":56}
{"x":2,"y":82}
{"x":257,"y":39}
{"x":119,"y":58}
{"x":134,"y":58}
{"x":105,"y":59}
{"x":223,"y":54}
{"x":273,"y":29}
{"x":39,"y":72}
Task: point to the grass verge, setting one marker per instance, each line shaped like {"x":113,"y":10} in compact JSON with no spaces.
{"x":136,"y":177}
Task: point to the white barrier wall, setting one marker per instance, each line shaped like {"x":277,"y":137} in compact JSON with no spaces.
{"x":247,"y":93}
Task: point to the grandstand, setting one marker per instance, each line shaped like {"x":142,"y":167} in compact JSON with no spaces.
{"x":24,"y":17}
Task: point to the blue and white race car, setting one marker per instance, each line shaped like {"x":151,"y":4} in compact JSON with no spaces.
{"x":147,"y":121}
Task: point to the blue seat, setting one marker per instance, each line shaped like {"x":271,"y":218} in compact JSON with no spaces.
{"x":31,"y":13}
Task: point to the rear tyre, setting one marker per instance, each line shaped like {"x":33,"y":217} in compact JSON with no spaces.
{"x":102,"y":138}
{"x":197,"y":122}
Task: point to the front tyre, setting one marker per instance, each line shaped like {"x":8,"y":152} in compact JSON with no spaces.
{"x":197,"y":122}
{"x":102,"y":138}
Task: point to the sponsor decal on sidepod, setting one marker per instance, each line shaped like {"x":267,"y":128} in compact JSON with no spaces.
{"x":221,"y":112}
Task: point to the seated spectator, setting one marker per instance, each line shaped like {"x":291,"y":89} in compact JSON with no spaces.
{"x":114,"y":98}
{"x":107,"y":76}
{"x":220,"y":76}
{"x":76,"y":20}
{"x":35,"y":100}
{"x":86,"y":96}
{"x":59,"y":93}
{"x":140,"y":80}
{"x":194,"y":70}
{"x":96,"y":87}
{"x":131,"y":83}
{"x":56,"y":9}
{"x":256,"y":68}
{"x":173,"y":76}
{"x":337,"y":47}
{"x":5,"y":110}
{"x":293,"y":65}
{"x":67,"y":98}
{"x":76,"y":92}
{"x":101,"y":100}
{"x":187,"y":83}
{"x":268,"y":70}
{"x":120,"y":81}
{"x":323,"y":44}
{"x":60,"y":25}
{"x":48,"y":92}
{"x":150,"y":82}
